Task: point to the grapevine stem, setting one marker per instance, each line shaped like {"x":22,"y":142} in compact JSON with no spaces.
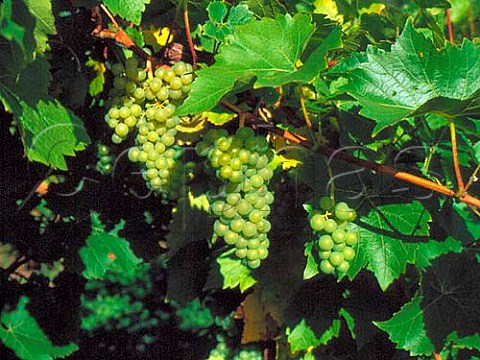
{"x":449,"y":25}
{"x":456,"y":164}
{"x":401,"y":175}
{"x":189,"y":34}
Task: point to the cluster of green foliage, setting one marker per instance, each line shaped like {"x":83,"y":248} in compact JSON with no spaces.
{"x":95,"y":263}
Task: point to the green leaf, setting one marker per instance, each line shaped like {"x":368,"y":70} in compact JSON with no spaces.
{"x":384,"y":233}
{"x":96,"y":85}
{"x":51,"y":132}
{"x":235,"y":273}
{"x":311,"y":268}
{"x":21,"y":333}
{"x":44,"y":21}
{"x":302,"y":337}
{"x":107,"y":251}
{"x":451,"y":297}
{"x":218,"y":118}
{"x":217,"y":11}
{"x":130,"y":10}
{"x":433,"y":249}
{"x":406,"y":329}
{"x":247,"y":56}
{"x":476,"y":151}
{"x":415,"y":78}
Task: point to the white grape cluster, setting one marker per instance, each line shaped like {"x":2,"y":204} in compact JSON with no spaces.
{"x":336,"y":242}
{"x":243,"y":204}
{"x":147,"y":104}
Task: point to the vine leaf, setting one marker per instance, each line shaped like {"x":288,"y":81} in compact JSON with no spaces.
{"x":44,"y":21}
{"x":9,"y":29}
{"x":106,"y":251}
{"x":246,"y":57}
{"x":21,"y":333}
{"x":451,"y":297}
{"x":235,"y":273}
{"x":415,"y":78}
{"x":381,"y":247}
{"x":50,"y":131}
{"x":433,"y":249}
{"x":302,"y":337}
{"x":130,"y":10}
{"x":406,"y":328}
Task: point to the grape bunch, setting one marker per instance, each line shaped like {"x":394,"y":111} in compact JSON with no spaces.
{"x":336,"y":242}
{"x":104,"y":163}
{"x":243,"y":203}
{"x":147,"y":103}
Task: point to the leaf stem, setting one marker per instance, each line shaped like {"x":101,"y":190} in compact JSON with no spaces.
{"x":456,"y":165}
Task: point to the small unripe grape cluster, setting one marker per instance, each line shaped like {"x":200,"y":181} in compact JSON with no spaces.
{"x":243,"y":203}
{"x":148,"y":104}
{"x":118,"y":302}
{"x":336,"y":242}
{"x":104,"y":163}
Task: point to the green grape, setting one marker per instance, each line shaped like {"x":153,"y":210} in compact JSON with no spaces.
{"x":348,"y":253}
{"x":326,"y":267}
{"x":339,"y":236}
{"x":236,"y":225}
{"x":336,"y":258}
{"x":324,"y":255}
{"x":339,"y":247}
{"x":219,"y":228}
{"x":343,"y":211}
{"x":343,"y":267}
{"x":326,"y":203}
{"x":325,"y":243}
{"x":351,"y":238}
{"x":330,"y":225}
{"x":318,"y":222}
{"x":230,"y":237}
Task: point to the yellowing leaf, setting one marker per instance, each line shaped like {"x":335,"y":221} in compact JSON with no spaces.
{"x":218,"y":118}
{"x":375,"y":8}
{"x":328,"y":8}
{"x":157,"y":37}
{"x":199,"y":202}
{"x":286,"y":163}
{"x":96,"y":85}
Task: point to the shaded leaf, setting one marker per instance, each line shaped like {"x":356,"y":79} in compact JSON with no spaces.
{"x":451,"y":297}
{"x":21,"y":333}
{"x":44,"y":21}
{"x":415,"y":78}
